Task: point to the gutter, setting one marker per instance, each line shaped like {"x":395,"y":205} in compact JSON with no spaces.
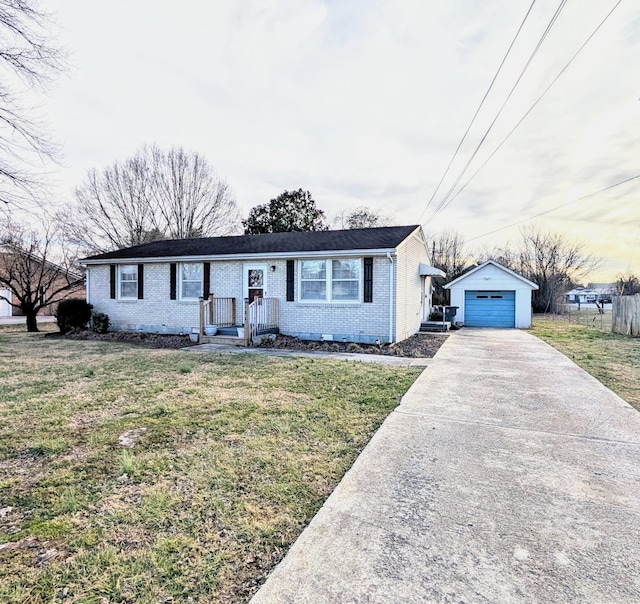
{"x":256,"y":256}
{"x":391,"y":296}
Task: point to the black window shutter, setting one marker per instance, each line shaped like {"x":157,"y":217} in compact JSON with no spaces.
{"x":206,"y":282}
{"x":290,"y":281}
{"x":172,"y":281}
{"x":112,"y":281}
{"x":368,"y":279}
{"x":140,"y":281}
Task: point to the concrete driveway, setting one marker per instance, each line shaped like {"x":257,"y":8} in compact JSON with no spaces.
{"x":507,"y":474}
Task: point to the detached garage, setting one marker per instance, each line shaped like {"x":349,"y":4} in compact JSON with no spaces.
{"x":491,"y":295}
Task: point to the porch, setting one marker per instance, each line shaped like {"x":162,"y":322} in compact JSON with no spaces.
{"x":260,"y":317}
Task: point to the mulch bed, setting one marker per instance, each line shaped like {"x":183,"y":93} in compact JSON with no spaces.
{"x":421,"y":345}
{"x":150,"y":340}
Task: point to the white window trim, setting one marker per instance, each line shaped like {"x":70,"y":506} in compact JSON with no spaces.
{"x":119,"y":283}
{"x":180,"y":281}
{"x":329,"y":282}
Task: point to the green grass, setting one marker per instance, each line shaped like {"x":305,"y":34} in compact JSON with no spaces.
{"x":231,"y":457}
{"x":611,"y":358}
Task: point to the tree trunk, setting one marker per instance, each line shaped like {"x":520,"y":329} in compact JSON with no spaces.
{"x":32,"y":321}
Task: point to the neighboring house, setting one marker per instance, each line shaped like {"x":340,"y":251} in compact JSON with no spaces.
{"x":33,"y":274}
{"x":359,"y":285}
{"x":594,"y":292}
{"x":492,"y":295}
{"x":6,"y":310}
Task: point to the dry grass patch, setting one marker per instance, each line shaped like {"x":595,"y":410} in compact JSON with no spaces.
{"x":611,"y":358}
{"x":227,"y":459}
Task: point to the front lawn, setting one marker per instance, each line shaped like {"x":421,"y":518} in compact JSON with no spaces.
{"x":138,"y":475}
{"x":611,"y":358}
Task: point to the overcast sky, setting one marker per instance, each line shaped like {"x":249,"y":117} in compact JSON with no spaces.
{"x":363,"y":102}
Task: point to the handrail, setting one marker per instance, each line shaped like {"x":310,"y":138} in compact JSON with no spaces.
{"x":220,"y":311}
{"x":260,"y":314}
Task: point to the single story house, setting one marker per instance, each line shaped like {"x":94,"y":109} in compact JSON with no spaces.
{"x":359,"y":285}
{"x":594,"y":292}
{"x":491,"y":295}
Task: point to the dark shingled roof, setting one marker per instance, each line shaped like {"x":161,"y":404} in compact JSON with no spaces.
{"x":307,"y":241}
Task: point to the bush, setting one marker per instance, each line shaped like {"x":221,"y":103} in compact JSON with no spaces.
{"x":100,"y":322}
{"x":74,"y":313}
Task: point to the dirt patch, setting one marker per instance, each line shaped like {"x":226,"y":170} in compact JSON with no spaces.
{"x":151,"y":340}
{"x":420,"y":345}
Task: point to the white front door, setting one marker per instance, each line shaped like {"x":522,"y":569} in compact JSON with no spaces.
{"x":255,"y":281}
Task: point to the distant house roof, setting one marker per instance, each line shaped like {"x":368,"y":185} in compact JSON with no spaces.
{"x":382,"y":238}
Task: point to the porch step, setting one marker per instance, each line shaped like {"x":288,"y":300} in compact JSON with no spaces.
{"x":435,"y":326}
{"x":222,"y":340}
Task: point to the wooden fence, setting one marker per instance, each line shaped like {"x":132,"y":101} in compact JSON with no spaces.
{"x":626,"y":315}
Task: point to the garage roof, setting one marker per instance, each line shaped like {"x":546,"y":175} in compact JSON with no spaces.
{"x":497,"y":265}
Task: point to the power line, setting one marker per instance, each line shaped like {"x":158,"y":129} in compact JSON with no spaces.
{"x":443,"y":202}
{"x":504,"y":140}
{"x":475,"y":115}
{"x":564,"y":205}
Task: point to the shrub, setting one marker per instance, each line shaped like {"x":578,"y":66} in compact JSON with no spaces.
{"x":74,"y":313}
{"x":100,"y":322}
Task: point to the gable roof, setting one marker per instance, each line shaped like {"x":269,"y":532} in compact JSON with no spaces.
{"x":381,"y":238}
{"x":497,"y":265}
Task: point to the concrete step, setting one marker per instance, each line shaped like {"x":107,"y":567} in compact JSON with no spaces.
{"x":222,"y":340}
{"x":435,"y":326}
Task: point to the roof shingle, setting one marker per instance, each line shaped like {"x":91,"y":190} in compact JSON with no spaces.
{"x":307,"y":241}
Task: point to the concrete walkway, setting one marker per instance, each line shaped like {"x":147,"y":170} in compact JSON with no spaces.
{"x":383,"y":359}
{"x":507,"y":474}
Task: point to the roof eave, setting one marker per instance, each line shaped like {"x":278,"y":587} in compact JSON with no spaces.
{"x":254,"y":256}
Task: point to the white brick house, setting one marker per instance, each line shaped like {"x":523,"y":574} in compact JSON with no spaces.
{"x":359,"y":285}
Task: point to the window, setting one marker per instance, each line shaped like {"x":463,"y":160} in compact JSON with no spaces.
{"x":330,"y":280}
{"x":191,"y":280}
{"x":345,"y":280}
{"x":128,"y":281}
{"x":313,"y":280}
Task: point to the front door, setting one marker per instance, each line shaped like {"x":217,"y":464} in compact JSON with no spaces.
{"x":255,"y":281}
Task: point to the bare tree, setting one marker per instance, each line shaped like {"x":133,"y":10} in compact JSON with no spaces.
{"x":547,"y":259}
{"x":36,"y":268}
{"x":27,"y":61}
{"x":361,"y":217}
{"x":554,"y":264}
{"x":112,"y":209}
{"x":190,"y":199}
{"x":506,"y":256}
{"x":627,"y":284}
{"x":153,"y":195}
{"x":447,"y":254}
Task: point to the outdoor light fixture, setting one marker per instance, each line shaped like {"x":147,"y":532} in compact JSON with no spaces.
{"x":273,"y":268}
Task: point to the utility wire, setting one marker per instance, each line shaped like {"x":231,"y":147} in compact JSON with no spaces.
{"x":475,"y":115}
{"x":504,"y":140}
{"x":551,"y":23}
{"x":564,"y":205}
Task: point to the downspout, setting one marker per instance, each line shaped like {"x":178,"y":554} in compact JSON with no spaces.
{"x":391,"y":297}
{"x":87,"y":285}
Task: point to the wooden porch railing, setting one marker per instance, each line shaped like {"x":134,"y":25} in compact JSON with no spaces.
{"x":260,"y":314}
{"x":217,"y":311}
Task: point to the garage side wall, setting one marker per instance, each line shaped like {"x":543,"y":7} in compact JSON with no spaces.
{"x":492,"y":278}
